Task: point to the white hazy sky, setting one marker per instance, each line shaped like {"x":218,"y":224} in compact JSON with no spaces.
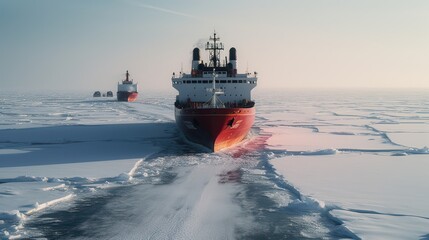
{"x":88,"y":44}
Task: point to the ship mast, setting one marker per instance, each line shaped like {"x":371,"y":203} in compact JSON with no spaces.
{"x":127,"y":76}
{"x":214,"y":51}
{"x":214,"y":61}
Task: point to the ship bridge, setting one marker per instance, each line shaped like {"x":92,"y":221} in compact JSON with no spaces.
{"x":236,"y":88}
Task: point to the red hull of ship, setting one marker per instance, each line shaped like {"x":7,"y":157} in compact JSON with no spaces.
{"x":215,"y":128}
{"x":133,"y":96}
{"x":127,"y":96}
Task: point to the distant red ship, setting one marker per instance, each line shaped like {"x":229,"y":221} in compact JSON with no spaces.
{"x":214,"y":106}
{"x":127,"y":90}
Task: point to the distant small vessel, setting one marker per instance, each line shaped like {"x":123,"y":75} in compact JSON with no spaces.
{"x":214,"y":106}
{"x":97,"y":94}
{"x":127,"y":90}
{"x":109,"y":94}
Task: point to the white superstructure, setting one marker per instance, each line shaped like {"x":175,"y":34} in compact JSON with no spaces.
{"x":234,"y":88}
{"x":194,"y":87}
{"x":127,"y":87}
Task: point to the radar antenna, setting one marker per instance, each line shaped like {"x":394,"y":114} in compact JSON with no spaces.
{"x":214,"y":51}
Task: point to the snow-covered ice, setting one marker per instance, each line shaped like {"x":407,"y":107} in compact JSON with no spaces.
{"x":324,"y":165}
{"x":366,"y":160}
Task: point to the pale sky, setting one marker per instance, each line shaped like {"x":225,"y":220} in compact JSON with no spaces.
{"x":88,"y":45}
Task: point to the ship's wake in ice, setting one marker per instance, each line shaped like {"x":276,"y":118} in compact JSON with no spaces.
{"x":176,"y":194}
{"x":310,"y":169}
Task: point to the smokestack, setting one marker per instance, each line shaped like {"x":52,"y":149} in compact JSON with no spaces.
{"x":195,"y":61}
{"x":233,"y":60}
{"x":195,"y":58}
{"x":232,"y":54}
